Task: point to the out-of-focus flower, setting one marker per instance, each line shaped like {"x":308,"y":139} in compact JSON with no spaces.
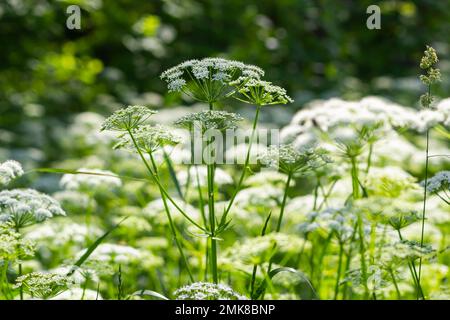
{"x":292,"y":161}
{"x":12,"y":245}
{"x":91,"y":180}
{"x":207,"y":291}
{"x":198,"y":176}
{"x":10,"y":170}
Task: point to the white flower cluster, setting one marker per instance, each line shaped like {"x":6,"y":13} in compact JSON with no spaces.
{"x":73,"y":200}
{"x":43,"y":285}
{"x":260,"y":92}
{"x":148,"y":138}
{"x":208,"y":69}
{"x":10,"y":170}
{"x":12,"y":245}
{"x":388,"y":181}
{"x":114,"y":253}
{"x":210,"y":119}
{"x":58,"y":233}
{"x":341,"y":221}
{"x":290,"y":160}
{"x":78,"y":294}
{"x":260,"y":249}
{"x":155,"y":211}
{"x":27,"y":206}
{"x":198,"y":176}
{"x":127,"y":118}
{"x":402,"y":251}
{"x":207,"y":291}
{"x":334,"y":113}
{"x":259,"y":197}
{"x":267,"y":177}
{"x":84,"y":131}
{"x":90,"y":182}
{"x":440,"y":181}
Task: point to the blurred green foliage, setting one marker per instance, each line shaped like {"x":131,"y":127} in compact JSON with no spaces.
{"x":318,"y":48}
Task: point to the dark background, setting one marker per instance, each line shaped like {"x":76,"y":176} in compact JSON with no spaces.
{"x":316,"y":49}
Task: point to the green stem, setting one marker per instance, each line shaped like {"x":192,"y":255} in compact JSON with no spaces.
{"x":283,"y":202}
{"x":247,"y":160}
{"x":355,"y":181}
{"x":338,"y":277}
{"x":212,"y":222}
{"x":424,"y":200}
{"x":394,"y":281}
{"x":412,"y":270}
{"x":362,"y":253}
{"x":369,"y":158}
{"x":316,"y":193}
{"x":155,"y":179}
{"x":169,"y":217}
{"x":349,"y":259}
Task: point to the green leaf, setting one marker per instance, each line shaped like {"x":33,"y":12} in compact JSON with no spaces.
{"x":92,"y":247}
{"x":150,"y":293}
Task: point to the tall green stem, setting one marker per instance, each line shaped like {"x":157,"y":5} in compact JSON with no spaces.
{"x":338,"y":277}
{"x":247,"y":160}
{"x":355,"y":179}
{"x":283,"y":202}
{"x":424,"y":200}
{"x":155,"y":178}
{"x":212,"y":222}
{"x":412,"y":270}
{"x":171,"y":224}
{"x":212,"y":217}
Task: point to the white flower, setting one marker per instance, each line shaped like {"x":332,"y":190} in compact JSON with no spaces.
{"x":155,"y":211}
{"x":58,"y":233}
{"x":127,"y":118}
{"x":99,"y":179}
{"x":388,"y":181}
{"x":27,"y":206}
{"x":207,"y":291}
{"x":238,"y":153}
{"x":261,"y":196}
{"x":267,"y":177}
{"x":198,"y":176}
{"x":43,"y":285}
{"x":438,"y":182}
{"x":209,"y":77}
{"x":114,"y":254}
{"x":78,"y":294}
{"x":10,"y":170}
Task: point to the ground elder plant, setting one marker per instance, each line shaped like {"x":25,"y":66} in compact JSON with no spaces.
{"x":343,"y":206}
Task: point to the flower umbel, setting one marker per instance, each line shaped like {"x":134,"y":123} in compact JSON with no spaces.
{"x":290,"y":160}
{"x":10,"y":170}
{"x":127,"y":119}
{"x":148,"y":138}
{"x":208,"y":79}
{"x":25,"y":207}
{"x":207,"y":291}
{"x":259,"y":92}
{"x":209,"y":119}
{"x":43,"y":285}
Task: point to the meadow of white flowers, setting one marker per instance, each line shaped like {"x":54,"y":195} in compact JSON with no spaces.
{"x":352,"y":202}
